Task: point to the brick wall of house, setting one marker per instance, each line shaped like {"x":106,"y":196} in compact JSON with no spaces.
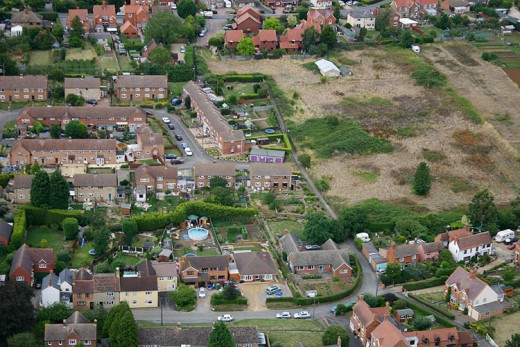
{"x":23,"y":94}
{"x":139,"y":94}
{"x":20,"y":272}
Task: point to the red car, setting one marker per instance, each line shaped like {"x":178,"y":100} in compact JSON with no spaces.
{"x":512,"y":246}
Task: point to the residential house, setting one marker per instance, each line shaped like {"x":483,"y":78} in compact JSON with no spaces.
{"x":141,"y":87}
{"x":204,"y":172}
{"x":142,"y":2}
{"x":105,"y":17}
{"x":232,"y":38}
{"x":65,"y":280}
{"x":472,"y":295}
{"x":6,"y":231}
{"x":247,"y":23}
{"x":129,"y":30}
{"x":252,"y":266}
{"x":405,"y":8}
{"x":430,"y":251}
{"x":291,"y":41}
{"x":50,"y":293}
{"x":88,"y":88}
{"x":455,"y":6}
{"x":21,"y":189}
{"x":260,"y":155}
{"x":242,"y":3}
{"x":402,"y":254}
{"x":137,"y":15}
{"x":516,"y":256}
{"x":74,"y":331}
{"x":23,"y":88}
{"x":473,"y":245}
{"x":95,"y":187}
{"x":82,"y":14}
{"x":265,"y":40}
{"x":362,"y":19}
{"x":140,"y":193}
{"x":106,"y":290}
{"x":321,"y":17}
{"x":226,"y":139}
{"x":140,"y":289}
{"x":157,"y":178}
{"x":404,"y":314}
{"x":450,"y":235}
{"x":376,"y":260}
{"x":167,"y":278}
{"x":271,"y":176}
{"x":148,"y":48}
{"x":64,"y":151}
{"x":83,"y":291}
{"x":427,"y":6}
{"x":290,"y":243}
{"x":251,"y":10}
{"x":365,"y":320}
{"x":202,"y":271}
{"x":386,"y":334}
{"x":150,"y":145}
{"x":407,"y":23}
{"x":193,"y":336}
{"x":28,"y":261}
{"x":27,"y":19}
{"x":321,"y":4}
{"x":444,"y":337}
{"x":95,"y":118}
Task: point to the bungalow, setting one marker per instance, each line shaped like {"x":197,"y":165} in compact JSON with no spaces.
{"x":366,"y":319}
{"x":157,"y":178}
{"x":376,"y":260}
{"x":95,"y":187}
{"x":260,"y":155}
{"x":88,"y":88}
{"x":271,"y":176}
{"x":473,"y":245}
{"x":430,"y":251}
{"x":82,"y":14}
{"x":28,"y":261}
{"x":104,"y":17}
{"x":247,"y":23}
{"x":21,"y":192}
{"x":404,"y":314}
{"x":167,"y":278}
{"x":472,"y":295}
{"x":252,"y":266}
{"x":204,"y":172}
{"x":403,"y":254}
{"x":141,"y":87}
{"x":265,"y":40}
{"x":27,"y":19}
{"x":202,"y":271}
{"x":74,"y":331}
{"x":232,"y":38}
{"x":292,"y":40}
{"x":129,"y":30}
{"x":6,"y":231}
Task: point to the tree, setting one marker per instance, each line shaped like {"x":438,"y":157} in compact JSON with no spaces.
{"x":74,"y":100}
{"x":382,"y":19}
{"x":129,"y":227}
{"x":101,"y":241}
{"x":373,"y":301}
{"x":35,"y":168}
{"x":422,"y":323}
{"x":16,"y":309}
{"x":222,"y":196}
{"x":447,"y":298}
{"x":442,"y":22}
{"x":392,"y":274}
{"x":514,"y":341}
{"x":216,"y":42}
{"x":509,"y":274}
{"x":112,"y":316}
{"x":229,"y":292}
{"x":35,"y":5}
{"x":186,"y":8}
{"x":337,"y":12}
{"x":406,"y":40}
{"x":52,"y":314}
{"x":422,"y":180}
{"x":350,"y":222}
{"x":76,"y":130}
{"x":292,"y":21}
{"x":482,"y":208}
{"x":76,"y":28}
{"x":58,"y":31}
{"x":99,"y":315}
{"x":40,"y":189}
{"x":273,"y":23}
{"x":302,"y":13}
{"x":55,"y":131}
{"x":38,"y":127}
{"x":309,"y":38}
{"x":22,"y":340}
{"x":318,"y":228}
{"x":246,"y":46}
{"x":161,"y":56}
{"x":70,"y":228}
{"x":9,"y":65}
{"x":184,"y":296}
{"x":59,"y":191}
{"x":164,"y":28}
{"x":328,"y":36}
{"x":221,"y":336}
{"x":218,"y":182}
{"x":123,"y":332}
{"x":362,"y":33}
{"x":305,"y":160}
{"x":331,"y":335}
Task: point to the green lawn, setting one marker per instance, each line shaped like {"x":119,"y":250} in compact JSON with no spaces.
{"x":288,"y":332}
{"x":238,"y":89}
{"x":40,"y":58}
{"x":170,"y":202}
{"x":108,"y":63}
{"x":81,"y":258}
{"x":100,"y":170}
{"x":54,"y":238}
{"x":139,"y":240}
{"x":176,"y":88}
{"x":124,"y":63}
{"x":279,"y":227}
{"x":81,"y":54}
{"x":129,"y":260}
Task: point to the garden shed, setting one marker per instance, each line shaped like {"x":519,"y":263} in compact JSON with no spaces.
{"x":327,"y":68}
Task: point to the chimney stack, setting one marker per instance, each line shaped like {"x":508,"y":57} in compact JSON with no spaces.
{"x":361,"y":297}
{"x":472,"y":273}
{"x":64,"y":322}
{"x":339,"y":341}
{"x":117,"y":272}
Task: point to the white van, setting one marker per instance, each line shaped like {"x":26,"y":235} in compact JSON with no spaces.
{"x":504,"y":234}
{"x":363,"y":236}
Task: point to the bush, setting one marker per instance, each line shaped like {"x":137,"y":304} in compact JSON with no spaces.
{"x":431,"y":282}
{"x":427,"y":76}
{"x":311,"y":277}
{"x":19,"y":227}
{"x":70,"y":228}
{"x":218,"y":299}
{"x":245,"y":78}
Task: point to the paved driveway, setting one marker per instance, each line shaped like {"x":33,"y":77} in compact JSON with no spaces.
{"x":256,"y":295}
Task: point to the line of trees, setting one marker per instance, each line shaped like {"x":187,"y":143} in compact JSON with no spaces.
{"x":51,"y":192}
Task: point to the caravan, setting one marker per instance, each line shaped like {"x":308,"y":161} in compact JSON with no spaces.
{"x":363,"y":237}
{"x":503,"y":235}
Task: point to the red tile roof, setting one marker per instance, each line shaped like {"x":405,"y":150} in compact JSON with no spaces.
{"x":136,"y":9}
{"x":250,"y":10}
{"x":267,"y":35}
{"x":426,"y":2}
{"x":403,"y":3}
{"x":82,"y":13}
{"x":233,"y":36}
{"x":315,"y":14}
{"x":243,"y":18}
{"x":104,"y":10}
{"x":128,"y":28}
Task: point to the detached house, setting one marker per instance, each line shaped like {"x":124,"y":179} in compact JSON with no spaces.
{"x":321,"y":17}
{"x":464,"y":248}
{"x":141,"y":87}
{"x":157,"y":178}
{"x":292,"y":41}
{"x":251,"y":10}
{"x":430,"y":251}
{"x":247,"y":23}
{"x":82,"y":14}
{"x":202,"y":271}
{"x":252,"y":266}
{"x":105,"y":17}
{"x":137,"y":15}
{"x":469,"y":292}
{"x":28,"y":261}
{"x":265,"y":40}
{"x":403,"y":254}
{"x":27,"y":19}
{"x":23,"y":88}
{"x":74,"y":331}
{"x":232,"y":38}
{"x":366,"y":319}
{"x":21,"y":189}
{"x":95,"y":187}
{"x":88,"y":88}
{"x":204,"y":172}
{"x":271,"y":176}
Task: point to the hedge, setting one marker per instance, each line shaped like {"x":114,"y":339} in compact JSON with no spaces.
{"x":249,"y":96}
{"x":431,"y":282}
{"x":245,"y":78}
{"x":433,"y":307}
{"x":442,"y":321}
{"x":285,"y":139}
{"x":322,"y":299}
{"x":20,"y":224}
{"x":50,"y":16}
{"x":41,"y":216}
{"x":220,"y":300}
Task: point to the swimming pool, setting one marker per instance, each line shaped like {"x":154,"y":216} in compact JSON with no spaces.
{"x":198,"y":234}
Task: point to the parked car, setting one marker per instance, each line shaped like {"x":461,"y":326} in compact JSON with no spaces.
{"x":248,"y":134}
{"x":511,"y":240}
{"x":38,"y":284}
{"x":188,"y":151}
{"x":170,"y":156}
{"x":512,"y":246}
{"x":333,"y":308}
{"x":283,"y":315}
{"x":149,"y":113}
{"x":202,"y":292}
{"x":202,"y":32}
{"x":225,"y":318}
{"x":171,"y":126}
{"x":178,"y":137}
{"x":166,"y":120}
{"x":350,"y":303}
{"x":91,"y":101}
{"x":177,"y":161}
{"x":176,"y":102}
{"x":183,"y":49}
{"x":312,"y":247}
{"x":184,"y":145}
{"x":273,"y":290}
{"x":302,"y":315}
{"x":174,"y":6}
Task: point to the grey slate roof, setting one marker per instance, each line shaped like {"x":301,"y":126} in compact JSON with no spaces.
{"x":266,"y":152}
{"x":76,"y":318}
{"x":75,"y":323}
{"x":5,"y":229}
{"x":489,"y":307}
{"x":290,"y":243}
{"x":145,"y":268}
{"x":141,"y":81}
{"x":83,"y":275}
{"x":329,"y":245}
{"x":139,"y":284}
{"x":361,"y":14}
{"x":266,"y":169}
{"x":473,"y":286}
{"x":69,"y":144}
{"x":206,"y":262}
{"x":254,"y":263}
{"x":51,"y":280}
{"x":406,"y":250}
{"x":82,"y":83}
{"x":369,"y":246}
{"x":105,"y":283}
{"x":334,"y":258}
{"x":95,"y":180}
{"x":65,"y":276}
{"x":214,"y":169}
{"x":192,"y":336}
{"x":405,"y":312}
{"x":19,"y":82}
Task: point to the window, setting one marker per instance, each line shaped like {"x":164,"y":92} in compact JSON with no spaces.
{"x":72,"y":342}
{"x":148,"y":293}
{"x":42,"y":266}
{"x":87,"y":342}
{"x":110,"y":293}
{"x":310,"y":267}
{"x":149,"y":302}
{"x":20,"y":278}
{"x":134,"y":302}
{"x":343,"y":272}
{"x":60,"y":343}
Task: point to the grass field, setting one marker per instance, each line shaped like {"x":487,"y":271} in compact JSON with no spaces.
{"x":108,"y":63}
{"x":36,"y":234}
{"x":81,"y":257}
{"x":279,"y":227}
{"x":289,"y":332}
{"x":505,"y":327}
{"x":176,"y":88}
{"x":81,"y":54}
{"x":99,"y":170}
{"x":124,"y":63}
{"x":40,"y":58}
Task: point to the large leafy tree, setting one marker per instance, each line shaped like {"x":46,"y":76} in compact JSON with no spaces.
{"x":101,"y":241}
{"x":35,"y":5}
{"x":76,"y":28}
{"x":331,"y":335}
{"x":164,"y":28}
{"x":309,"y":37}
{"x":55,"y":131}
{"x":328,"y":36}
{"x":482,"y":209}
{"x":184,"y":296}
{"x":318,"y":228}
{"x":23,"y":340}
{"x":422,"y":180}
{"x":112,"y":316}
{"x":76,"y":130}
{"x":8,"y":65}
{"x":70,"y":228}
{"x":186,"y":8}
{"x":59,"y":191}
{"x":16,"y":309}
{"x":161,"y":56}
{"x":221,"y":336}
{"x":58,"y":31}
{"x":40,"y":189}
{"x":350,"y":222}
{"x":273,"y":23}
{"x":514,"y":341}
{"x":129,"y":227}
{"x":406,"y":39}
{"x":246,"y":46}
{"x":123,"y":332}
{"x":52,"y":314}
{"x":382,"y":19}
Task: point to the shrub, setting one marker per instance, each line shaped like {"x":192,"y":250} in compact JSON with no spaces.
{"x":43,"y":243}
{"x":19,"y":227}
{"x":70,"y":228}
{"x":427,"y":76}
{"x":432,"y":282}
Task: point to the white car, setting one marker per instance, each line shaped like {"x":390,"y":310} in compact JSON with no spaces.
{"x":166,"y":120}
{"x":225,"y":318}
{"x":174,"y":6}
{"x":183,"y":49}
{"x":283,"y":315}
{"x":188,"y":151}
{"x":202,"y":292}
{"x":302,"y":315}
